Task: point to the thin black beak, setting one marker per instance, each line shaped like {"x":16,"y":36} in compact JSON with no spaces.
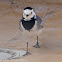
{"x":27,"y":15}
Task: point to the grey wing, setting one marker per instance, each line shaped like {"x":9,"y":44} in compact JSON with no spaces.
{"x":20,"y":25}
{"x":39,"y":22}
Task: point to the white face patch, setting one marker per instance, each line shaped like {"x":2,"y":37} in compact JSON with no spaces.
{"x":28,"y":14}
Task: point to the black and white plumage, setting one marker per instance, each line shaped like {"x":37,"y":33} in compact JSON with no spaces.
{"x":30,"y":23}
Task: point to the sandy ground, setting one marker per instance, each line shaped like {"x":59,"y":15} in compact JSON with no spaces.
{"x":50,"y":39}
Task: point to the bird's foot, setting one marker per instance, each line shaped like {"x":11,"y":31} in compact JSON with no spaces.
{"x":37,"y":46}
{"x":27,"y":53}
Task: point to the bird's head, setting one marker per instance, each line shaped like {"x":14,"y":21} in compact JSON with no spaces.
{"x":28,"y":13}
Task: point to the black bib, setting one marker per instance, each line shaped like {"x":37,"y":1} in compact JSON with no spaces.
{"x":28,"y":25}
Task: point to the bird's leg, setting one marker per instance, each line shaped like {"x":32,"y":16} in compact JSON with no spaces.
{"x":37,"y":44}
{"x":27,"y":52}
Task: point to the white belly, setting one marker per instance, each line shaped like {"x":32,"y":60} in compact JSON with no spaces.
{"x":33,"y":32}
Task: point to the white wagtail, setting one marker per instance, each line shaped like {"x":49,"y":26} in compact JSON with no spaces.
{"x":31,"y":22}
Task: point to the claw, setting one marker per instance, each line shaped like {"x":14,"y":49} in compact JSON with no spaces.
{"x":37,"y":45}
{"x":27,"y":53}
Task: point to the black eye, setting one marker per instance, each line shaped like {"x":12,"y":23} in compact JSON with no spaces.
{"x":31,"y":12}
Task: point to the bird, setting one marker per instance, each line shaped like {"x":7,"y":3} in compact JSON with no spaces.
{"x":30,"y":23}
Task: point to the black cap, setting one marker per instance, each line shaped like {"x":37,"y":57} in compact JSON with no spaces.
{"x":28,"y":8}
